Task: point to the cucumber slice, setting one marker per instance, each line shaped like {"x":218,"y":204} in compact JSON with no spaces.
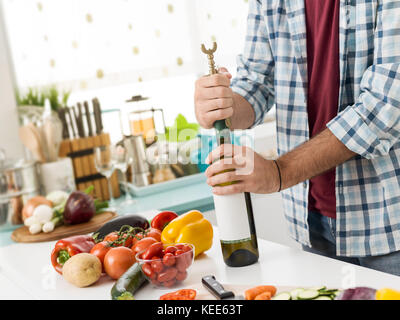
{"x":308,"y":294}
{"x":327,"y":292}
{"x":318,"y":288}
{"x":323,"y":298}
{"x":282,"y":296}
{"x":294,"y":293}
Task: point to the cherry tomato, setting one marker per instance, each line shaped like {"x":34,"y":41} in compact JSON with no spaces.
{"x":157,"y":266}
{"x":178,"y":252}
{"x":161,"y":220}
{"x":154,"y":250}
{"x":100,"y":250}
{"x":111,"y":237}
{"x":117,"y":261}
{"x":180,"y":276}
{"x":181,"y":263}
{"x":148,"y":271}
{"x":186,"y":248}
{"x":169,"y":284}
{"x":138,"y":236}
{"x":153,"y":233}
{"x":179,"y":246}
{"x":167,"y":275}
{"x":169,"y":259}
{"x":170,"y":249}
{"x":143,"y":245}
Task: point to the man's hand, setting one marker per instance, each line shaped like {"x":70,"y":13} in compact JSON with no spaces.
{"x":249,"y":171}
{"x":213,"y":98}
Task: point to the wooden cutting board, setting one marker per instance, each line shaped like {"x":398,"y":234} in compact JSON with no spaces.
{"x":23,"y":235}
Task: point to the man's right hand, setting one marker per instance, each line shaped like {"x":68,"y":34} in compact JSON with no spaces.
{"x":213,"y":98}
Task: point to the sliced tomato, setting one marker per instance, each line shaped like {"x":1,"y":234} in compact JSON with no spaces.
{"x":184,"y":294}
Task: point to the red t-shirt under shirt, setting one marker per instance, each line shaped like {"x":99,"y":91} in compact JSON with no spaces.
{"x":322,"y":19}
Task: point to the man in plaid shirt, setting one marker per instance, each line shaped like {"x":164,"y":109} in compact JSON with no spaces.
{"x":332,"y":69}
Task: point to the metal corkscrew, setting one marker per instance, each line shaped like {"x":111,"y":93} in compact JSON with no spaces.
{"x":210,"y":56}
{"x":211,"y":67}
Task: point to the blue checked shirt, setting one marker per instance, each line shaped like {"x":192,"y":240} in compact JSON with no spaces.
{"x":273,"y":71}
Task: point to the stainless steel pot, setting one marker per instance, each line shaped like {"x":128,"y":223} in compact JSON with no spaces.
{"x":18,"y":182}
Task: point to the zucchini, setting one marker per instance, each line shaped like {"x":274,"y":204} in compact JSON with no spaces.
{"x":323,"y":298}
{"x":308,"y":294}
{"x":282,"y":296}
{"x":318,"y":288}
{"x":128,"y":283}
{"x":327,"y":292}
{"x":294,"y":293}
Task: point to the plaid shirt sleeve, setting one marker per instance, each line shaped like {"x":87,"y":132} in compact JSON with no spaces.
{"x":371,"y":126}
{"x":254,"y":80}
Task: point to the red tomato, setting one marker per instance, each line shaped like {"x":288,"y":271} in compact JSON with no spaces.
{"x":180,"y":276}
{"x":148,"y":271}
{"x":117,"y":261}
{"x":181,"y":263}
{"x":161,"y":220}
{"x":111,"y":237}
{"x":153,"y":233}
{"x":100,"y":250}
{"x":186,"y":248}
{"x":170,"y":249}
{"x":178,"y":252}
{"x":169,"y":259}
{"x":143,"y":245}
{"x":184,"y":294}
{"x":169,"y":284}
{"x":154,"y":250}
{"x":138,"y":236}
{"x":167,"y":275}
{"x":179,"y":246}
{"x":157,"y":266}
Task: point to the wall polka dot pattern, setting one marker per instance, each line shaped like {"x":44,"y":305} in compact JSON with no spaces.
{"x":86,"y":43}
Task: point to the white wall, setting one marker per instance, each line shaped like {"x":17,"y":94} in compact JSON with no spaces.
{"x":8,"y":111}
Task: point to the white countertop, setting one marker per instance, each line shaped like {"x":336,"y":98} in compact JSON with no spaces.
{"x":26,"y":273}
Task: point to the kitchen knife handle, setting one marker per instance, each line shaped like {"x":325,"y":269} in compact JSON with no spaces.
{"x":216,"y":288}
{"x":80,"y":120}
{"x":88,"y":120}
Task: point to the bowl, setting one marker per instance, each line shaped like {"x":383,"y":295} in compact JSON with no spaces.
{"x":168,"y":272}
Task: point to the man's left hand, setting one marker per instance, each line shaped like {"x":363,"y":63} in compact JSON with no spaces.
{"x":250,"y":171}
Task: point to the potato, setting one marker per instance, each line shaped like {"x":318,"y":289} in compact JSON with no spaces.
{"x":82,"y":269}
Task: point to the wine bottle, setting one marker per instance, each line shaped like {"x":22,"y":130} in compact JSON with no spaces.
{"x":234,"y":213}
{"x":235,"y":218}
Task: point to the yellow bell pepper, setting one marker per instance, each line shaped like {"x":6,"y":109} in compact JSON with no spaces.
{"x":192,"y":228}
{"x":387,"y":294}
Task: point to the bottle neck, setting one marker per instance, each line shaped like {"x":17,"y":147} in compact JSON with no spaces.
{"x":223,"y":132}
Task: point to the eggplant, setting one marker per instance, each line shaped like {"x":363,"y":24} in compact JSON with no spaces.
{"x":125,"y":220}
{"x":359,"y":293}
{"x":79,"y":208}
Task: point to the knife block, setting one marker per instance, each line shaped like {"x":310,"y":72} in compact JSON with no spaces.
{"x":80,"y":150}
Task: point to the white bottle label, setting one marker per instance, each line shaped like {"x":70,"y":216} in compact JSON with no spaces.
{"x":232,"y":219}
